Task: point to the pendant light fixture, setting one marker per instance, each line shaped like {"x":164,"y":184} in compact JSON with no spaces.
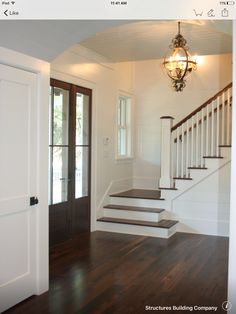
{"x":179,"y":63}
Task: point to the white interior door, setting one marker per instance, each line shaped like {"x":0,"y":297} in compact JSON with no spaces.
{"x":18,"y":182}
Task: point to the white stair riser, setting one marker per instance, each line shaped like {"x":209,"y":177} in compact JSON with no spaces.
{"x":197,"y":175}
{"x":225,"y":152}
{"x":168,"y":194}
{"x":181,"y":185}
{"x":214,"y":164}
{"x":135,"y":215}
{"x":138,"y":202}
{"x":136,"y":230}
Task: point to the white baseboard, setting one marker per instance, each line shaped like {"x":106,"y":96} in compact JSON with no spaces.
{"x":207,"y":227}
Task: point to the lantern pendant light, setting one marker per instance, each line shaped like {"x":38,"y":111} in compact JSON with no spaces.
{"x":179,"y":63}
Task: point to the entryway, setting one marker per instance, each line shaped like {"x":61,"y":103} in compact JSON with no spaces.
{"x":69,"y":160}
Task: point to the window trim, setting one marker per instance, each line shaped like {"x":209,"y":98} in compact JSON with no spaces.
{"x":130,"y":156}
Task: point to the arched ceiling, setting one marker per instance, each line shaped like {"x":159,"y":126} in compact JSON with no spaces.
{"x":151,"y":39}
{"x":117,"y":40}
{"x":46,"y":39}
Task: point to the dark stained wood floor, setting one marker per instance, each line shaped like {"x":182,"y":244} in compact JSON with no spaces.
{"x":115,"y":273}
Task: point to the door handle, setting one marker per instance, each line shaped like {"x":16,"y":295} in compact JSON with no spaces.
{"x":65,"y":179}
{"x":33,"y":201}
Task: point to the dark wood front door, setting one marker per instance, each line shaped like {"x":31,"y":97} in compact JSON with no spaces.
{"x":70,"y":159}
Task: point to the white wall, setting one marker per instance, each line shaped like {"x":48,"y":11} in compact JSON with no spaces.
{"x":83,"y":67}
{"x":155,"y":98}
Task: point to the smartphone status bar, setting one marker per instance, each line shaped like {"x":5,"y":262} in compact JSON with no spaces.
{"x":117,"y":9}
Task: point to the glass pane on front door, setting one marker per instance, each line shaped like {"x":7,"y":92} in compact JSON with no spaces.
{"x":82,"y":119}
{"x":58,"y":145}
{"x":82,"y":145}
{"x":81,"y":172}
{"x":60,"y":116}
{"x":60,"y":174}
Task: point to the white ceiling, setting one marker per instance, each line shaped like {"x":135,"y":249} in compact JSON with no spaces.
{"x":151,"y":39}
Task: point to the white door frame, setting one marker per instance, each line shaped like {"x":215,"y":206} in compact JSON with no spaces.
{"x":42,"y":70}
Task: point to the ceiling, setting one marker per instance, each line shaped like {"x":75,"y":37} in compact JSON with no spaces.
{"x":46,"y":39}
{"x":118,"y":40}
{"x":151,"y":39}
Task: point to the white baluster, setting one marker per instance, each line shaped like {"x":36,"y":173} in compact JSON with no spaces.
{"x":223,"y":120}
{"x":228,"y":118}
{"x":192,"y":142}
{"x":182,"y":151}
{"x":212,"y":128}
{"x":187,"y":148}
{"x":173,"y":156}
{"x":207,"y":131}
{"x":197,"y":140}
{"x":217,"y":124}
{"x":177,"y":152}
{"x":202,"y":139}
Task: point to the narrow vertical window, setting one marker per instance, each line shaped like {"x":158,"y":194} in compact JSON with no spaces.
{"x":124,"y":128}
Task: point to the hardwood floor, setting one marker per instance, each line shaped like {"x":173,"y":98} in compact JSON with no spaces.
{"x":116,"y":273}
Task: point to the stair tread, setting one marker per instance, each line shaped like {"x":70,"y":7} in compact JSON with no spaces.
{"x":198,"y":168}
{"x":213,"y":157}
{"x":165,"y":223}
{"x":135,"y":208}
{"x":140,"y":193}
{"x":182,"y":178}
{"x":169,"y":189}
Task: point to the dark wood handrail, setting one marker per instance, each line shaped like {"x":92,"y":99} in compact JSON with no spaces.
{"x":204,"y":119}
{"x":201,"y":107}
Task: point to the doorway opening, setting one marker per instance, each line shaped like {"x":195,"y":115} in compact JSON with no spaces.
{"x":69,"y":160}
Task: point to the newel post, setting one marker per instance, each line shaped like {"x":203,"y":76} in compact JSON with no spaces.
{"x":166,"y":125}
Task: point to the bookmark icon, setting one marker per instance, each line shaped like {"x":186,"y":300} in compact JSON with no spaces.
{"x":198,"y":13}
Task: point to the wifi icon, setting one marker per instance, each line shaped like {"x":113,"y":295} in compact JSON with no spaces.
{"x":13,"y":2}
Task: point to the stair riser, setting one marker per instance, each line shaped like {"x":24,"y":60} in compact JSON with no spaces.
{"x":196,"y":175}
{"x":138,"y":202}
{"x":181,"y":185}
{"x":214,"y":164}
{"x":225,"y":152}
{"x":136,"y":230}
{"x":168,"y":194}
{"x":135,"y":215}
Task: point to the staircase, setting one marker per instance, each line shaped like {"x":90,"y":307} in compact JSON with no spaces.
{"x":192,"y":150}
